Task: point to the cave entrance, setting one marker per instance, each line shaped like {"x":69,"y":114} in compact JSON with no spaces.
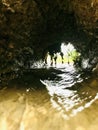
{"x":61,"y":55}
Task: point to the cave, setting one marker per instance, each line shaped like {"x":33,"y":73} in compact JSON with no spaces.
{"x":48,"y":65}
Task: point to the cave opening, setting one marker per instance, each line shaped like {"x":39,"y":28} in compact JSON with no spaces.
{"x":61,"y":55}
{"x":48,"y":65}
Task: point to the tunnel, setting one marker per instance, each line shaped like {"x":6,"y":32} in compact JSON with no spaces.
{"x":48,"y":65}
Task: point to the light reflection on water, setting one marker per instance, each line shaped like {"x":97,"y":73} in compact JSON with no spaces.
{"x":69,"y":101}
{"x":26,"y":104}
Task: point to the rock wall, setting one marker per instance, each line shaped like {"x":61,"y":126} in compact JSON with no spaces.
{"x":19,"y":20}
{"x":25,"y":23}
{"x":86,"y":12}
{"x":28,"y":23}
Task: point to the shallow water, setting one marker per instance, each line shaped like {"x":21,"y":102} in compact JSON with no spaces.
{"x":50,"y":99}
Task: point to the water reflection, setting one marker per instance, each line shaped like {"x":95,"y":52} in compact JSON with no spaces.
{"x":68,"y":95}
{"x":60,"y":104}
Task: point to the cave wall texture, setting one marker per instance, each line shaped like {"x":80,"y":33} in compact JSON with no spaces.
{"x":25,"y":23}
{"x":86,"y":12}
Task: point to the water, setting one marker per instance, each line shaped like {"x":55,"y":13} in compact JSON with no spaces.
{"x":44,"y":98}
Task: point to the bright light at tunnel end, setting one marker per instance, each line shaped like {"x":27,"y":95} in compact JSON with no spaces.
{"x":67,"y":56}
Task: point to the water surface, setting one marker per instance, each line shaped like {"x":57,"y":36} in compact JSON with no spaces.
{"x":50,"y":99}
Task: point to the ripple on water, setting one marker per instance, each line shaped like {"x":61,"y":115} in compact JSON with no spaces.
{"x":26,"y":104}
{"x":67,"y":100}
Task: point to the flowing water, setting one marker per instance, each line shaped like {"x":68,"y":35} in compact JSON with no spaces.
{"x":46,"y":98}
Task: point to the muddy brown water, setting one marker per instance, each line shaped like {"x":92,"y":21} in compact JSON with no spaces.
{"x":59,"y":100}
